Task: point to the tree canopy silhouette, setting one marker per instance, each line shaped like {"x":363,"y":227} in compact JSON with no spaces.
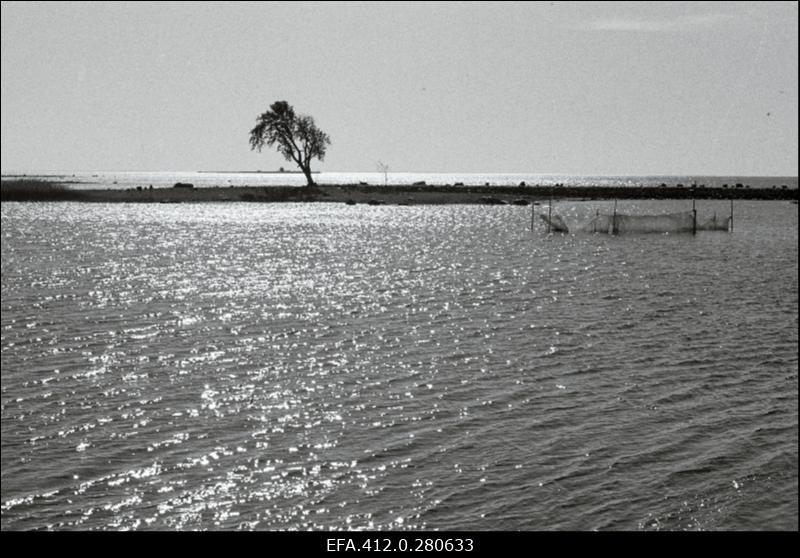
{"x":297,"y":137}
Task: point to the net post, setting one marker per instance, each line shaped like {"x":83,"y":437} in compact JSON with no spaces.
{"x":614,"y":220}
{"x":533,"y":214}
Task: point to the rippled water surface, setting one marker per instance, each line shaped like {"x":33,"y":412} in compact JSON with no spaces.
{"x":248,"y":366}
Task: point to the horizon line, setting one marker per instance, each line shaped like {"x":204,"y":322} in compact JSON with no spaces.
{"x":62,"y":172}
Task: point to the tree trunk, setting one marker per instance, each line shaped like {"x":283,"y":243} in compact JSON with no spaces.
{"x":307,"y":171}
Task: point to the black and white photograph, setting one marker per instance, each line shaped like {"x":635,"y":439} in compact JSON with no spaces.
{"x":399,"y":274}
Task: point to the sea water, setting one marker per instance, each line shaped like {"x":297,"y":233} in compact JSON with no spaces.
{"x":321,"y":366}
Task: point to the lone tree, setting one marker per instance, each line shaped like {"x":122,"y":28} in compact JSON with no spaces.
{"x":297,"y":137}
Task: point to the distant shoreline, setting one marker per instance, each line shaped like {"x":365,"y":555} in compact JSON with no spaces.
{"x":31,"y":190}
{"x":253,"y":172}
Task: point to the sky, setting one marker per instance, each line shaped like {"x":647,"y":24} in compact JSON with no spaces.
{"x":599,"y":88}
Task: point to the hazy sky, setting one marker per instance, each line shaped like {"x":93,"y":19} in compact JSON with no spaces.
{"x":551,"y":87}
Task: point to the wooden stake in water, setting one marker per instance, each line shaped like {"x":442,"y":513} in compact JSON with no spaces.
{"x":694,"y":218}
{"x":731,"y":221}
{"x":614,"y":221}
{"x":550,"y":212}
{"x":533,"y":214}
